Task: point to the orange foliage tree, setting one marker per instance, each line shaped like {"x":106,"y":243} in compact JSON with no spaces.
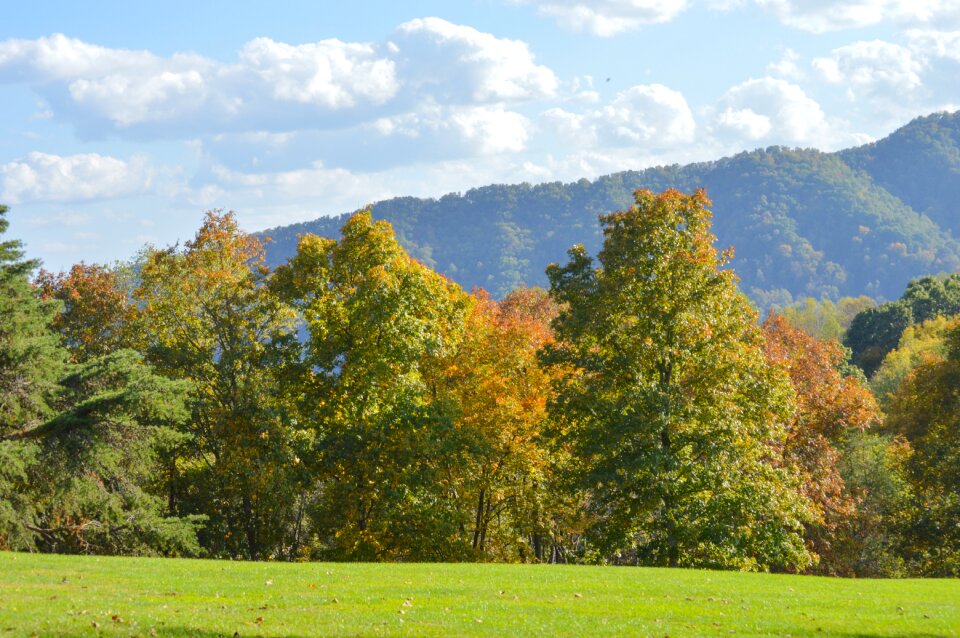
{"x":828,"y":406}
{"x":96,"y":313}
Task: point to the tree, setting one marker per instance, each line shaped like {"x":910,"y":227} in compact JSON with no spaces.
{"x":917,"y":344}
{"x":675,"y":420}
{"x":824,"y":319}
{"x":96,"y":312}
{"x":31,"y":362}
{"x":829,"y":407}
{"x":876,"y":331}
{"x":388,"y":455}
{"x":925,"y":412}
{"x":501,"y":391}
{"x":94,"y":488}
{"x":78,"y":444}
{"x":208,"y":317}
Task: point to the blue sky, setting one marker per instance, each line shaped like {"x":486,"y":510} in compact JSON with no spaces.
{"x":122,"y":123}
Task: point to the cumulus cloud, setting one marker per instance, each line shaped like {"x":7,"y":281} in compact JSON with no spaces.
{"x":773,"y":110}
{"x":61,"y":58}
{"x":432,"y":133}
{"x":456,"y":63}
{"x":273,"y":86}
{"x":935,"y":44}
{"x":787,"y":67}
{"x":330,"y":73}
{"x":40,"y":177}
{"x":872,"y":67}
{"x":821,"y":16}
{"x":609,"y":17}
{"x":652,"y":115}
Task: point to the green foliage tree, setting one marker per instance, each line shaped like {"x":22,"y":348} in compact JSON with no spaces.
{"x":876,"y":331}
{"x":206,"y":316}
{"x":382,"y":328}
{"x":674,"y":418}
{"x":872,"y":468}
{"x":31,"y":362}
{"x":925,"y":412}
{"x":78,"y":444}
{"x":918,"y":343}
{"x":823,"y":318}
{"x":95,"y":486}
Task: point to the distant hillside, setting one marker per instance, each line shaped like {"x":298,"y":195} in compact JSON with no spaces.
{"x":803,"y":222}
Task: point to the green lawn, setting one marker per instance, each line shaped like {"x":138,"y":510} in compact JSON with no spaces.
{"x":82,"y":596}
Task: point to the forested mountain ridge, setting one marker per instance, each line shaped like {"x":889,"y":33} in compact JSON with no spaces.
{"x":865,"y":220}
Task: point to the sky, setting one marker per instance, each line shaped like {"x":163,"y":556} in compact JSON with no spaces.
{"x":122,"y":122}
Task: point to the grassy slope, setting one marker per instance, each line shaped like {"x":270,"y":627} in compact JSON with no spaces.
{"x":80,"y":596}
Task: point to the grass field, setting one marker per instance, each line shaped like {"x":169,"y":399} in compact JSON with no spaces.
{"x":86,"y":596}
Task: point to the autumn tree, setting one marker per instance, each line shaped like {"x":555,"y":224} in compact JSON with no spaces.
{"x":876,"y":331}
{"x":829,"y":407}
{"x":676,"y":421}
{"x":823,"y":318}
{"x":925,"y":412}
{"x":96,"y":311}
{"x":918,"y":343}
{"x":501,"y":390}
{"x":207,"y":317}
{"x":381,"y":328}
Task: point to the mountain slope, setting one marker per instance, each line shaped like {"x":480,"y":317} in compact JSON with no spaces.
{"x":802,"y":222}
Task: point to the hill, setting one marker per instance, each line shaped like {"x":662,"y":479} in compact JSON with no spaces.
{"x":81,"y":595}
{"x":804,"y":223}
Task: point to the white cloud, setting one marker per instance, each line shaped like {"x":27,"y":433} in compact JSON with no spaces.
{"x":609,"y":17}
{"x":330,"y":73}
{"x":787,"y":67}
{"x":61,"y":58}
{"x":653,"y":115}
{"x":466,"y":131}
{"x":458,"y":63}
{"x":872,"y":67}
{"x":935,"y":44}
{"x":430,"y":134}
{"x":746,"y":122}
{"x":773,"y":110}
{"x":40,"y":177}
{"x":821,"y":16}
{"x":273,"y":86}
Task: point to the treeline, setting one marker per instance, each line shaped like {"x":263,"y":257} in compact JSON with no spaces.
{"x":352,"y":404}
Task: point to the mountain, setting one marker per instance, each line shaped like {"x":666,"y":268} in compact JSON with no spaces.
{"x":865,"y":220}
